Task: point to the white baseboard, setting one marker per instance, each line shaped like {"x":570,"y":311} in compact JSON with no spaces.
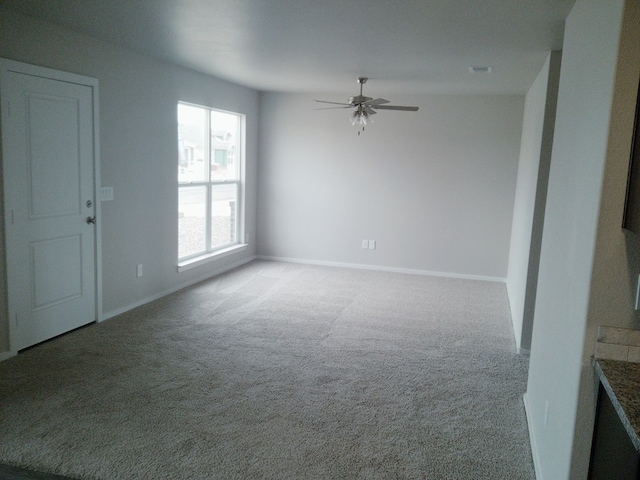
{"x":381,"y":268}
{"x":7,"y":355}
{"x":532,"y":439}
{"x":208,"y":275}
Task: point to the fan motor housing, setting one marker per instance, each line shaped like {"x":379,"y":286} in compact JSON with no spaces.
{"x":359,"y":99}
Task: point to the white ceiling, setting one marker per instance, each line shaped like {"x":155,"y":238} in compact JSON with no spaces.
{"x":404,"y":46}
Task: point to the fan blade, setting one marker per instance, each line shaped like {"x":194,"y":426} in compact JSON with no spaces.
{"x":332,"y":108}
{"x":369,"y":111}
{"x":395,"y":107}
{"x":335,"y":103}
{"x":377,"y":101}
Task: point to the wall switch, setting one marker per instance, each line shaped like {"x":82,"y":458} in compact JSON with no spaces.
{"x":638,"y":294}
{"x":106,"y":194}
{"x":365,"y":243}
{"x":372,"y":244}
{"x":139,"y":270}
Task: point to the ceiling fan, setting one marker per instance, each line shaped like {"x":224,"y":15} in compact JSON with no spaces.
{"x":364,"y":107}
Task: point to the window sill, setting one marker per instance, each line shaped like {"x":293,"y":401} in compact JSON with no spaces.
{"x":209,"y":257}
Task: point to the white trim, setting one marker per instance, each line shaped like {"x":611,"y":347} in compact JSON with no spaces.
{"x":382,"y":269}
{"x":7,"y":355}
{"x":209,"y":257}
{"x":44,"y":72}
{"x":532,"y":439}
{"x":511,"y":316}
{"x":151,"y":298}
{"x":97,"y":200}
{"x":7,"y":65}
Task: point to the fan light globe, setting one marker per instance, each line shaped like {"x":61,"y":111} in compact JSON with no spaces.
{"x":360,"y":117}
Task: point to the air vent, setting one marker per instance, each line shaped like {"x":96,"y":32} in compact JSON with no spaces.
{"x":480,"y":69}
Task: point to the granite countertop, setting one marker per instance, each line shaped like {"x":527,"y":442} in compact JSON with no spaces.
{"x":621,"y":380}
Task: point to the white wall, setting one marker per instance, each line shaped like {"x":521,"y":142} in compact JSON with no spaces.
{"x":616,"y":263}
{"x":138,"y":97}
{"x":530,"y":200}
{"x":434,"y":188}
{"x":587,"y":261}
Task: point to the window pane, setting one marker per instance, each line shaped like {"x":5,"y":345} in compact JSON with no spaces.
{"x":192,"y":129}
{"x":192,"y":203}
{"x":225,"y":133}
{"x":224,"y":207}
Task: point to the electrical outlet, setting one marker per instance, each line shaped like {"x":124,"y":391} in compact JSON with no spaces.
{"x":372,"y":244}
{"x":139,"y":270}
{"x":365,"y":244}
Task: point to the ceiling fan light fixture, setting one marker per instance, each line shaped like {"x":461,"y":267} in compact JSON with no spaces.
{"x":360,"y":118}
{"x":365,"y":107}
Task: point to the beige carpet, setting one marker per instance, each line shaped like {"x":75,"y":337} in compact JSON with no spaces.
{"x":280,"y":371}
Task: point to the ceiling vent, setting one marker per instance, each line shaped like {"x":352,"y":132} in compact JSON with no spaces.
{"x":480,"y":69}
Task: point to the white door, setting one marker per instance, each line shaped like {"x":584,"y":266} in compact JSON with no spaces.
{"x":49,"y":195}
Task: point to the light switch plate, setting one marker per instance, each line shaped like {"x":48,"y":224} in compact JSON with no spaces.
{"x":106,"y":194}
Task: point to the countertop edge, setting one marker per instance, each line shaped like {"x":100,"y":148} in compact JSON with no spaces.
{"x":616,"y":404}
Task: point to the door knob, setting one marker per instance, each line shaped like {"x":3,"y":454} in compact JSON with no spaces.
{"x":91,"y":220}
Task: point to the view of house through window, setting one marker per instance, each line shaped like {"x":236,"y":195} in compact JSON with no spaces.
{"x":209,"y":163}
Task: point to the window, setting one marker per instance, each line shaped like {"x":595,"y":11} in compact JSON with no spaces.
{"x":210,"y":160}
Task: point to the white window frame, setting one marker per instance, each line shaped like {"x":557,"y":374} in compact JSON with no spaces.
{"x":212,"y":253}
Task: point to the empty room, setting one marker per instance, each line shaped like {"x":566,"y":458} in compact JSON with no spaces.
{"x":342,"y":239}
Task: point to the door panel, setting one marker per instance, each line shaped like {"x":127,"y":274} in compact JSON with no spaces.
{"x":54,"y":155}
{"x":48,"y":160}
{"x":51,"y":260}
